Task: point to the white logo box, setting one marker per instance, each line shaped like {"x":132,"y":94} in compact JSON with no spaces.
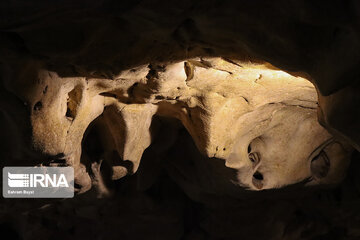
{"x":38,"y":182}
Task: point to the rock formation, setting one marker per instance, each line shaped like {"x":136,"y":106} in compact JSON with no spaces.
{"x":260,"y":120}
{"x":213,"y":106}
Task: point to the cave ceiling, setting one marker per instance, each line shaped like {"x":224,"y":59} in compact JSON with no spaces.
{"x":229,"y":98}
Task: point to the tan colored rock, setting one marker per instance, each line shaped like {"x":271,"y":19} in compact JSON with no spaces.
{"x":129,"y":125}
{"x":225,"y":105}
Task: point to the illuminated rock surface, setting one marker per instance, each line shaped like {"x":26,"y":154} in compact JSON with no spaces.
{"x":174,"y":117}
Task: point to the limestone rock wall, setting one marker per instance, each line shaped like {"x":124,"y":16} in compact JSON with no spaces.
{"x":260,"y":120}
{"x":102,"y":38}
{"x":171,"y":111}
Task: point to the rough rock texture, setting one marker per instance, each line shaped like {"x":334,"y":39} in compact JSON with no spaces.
{"x":251,"y":115}
{"x":109,"y":87}
{"x":101,"y":38}
{"x":254,"y":127}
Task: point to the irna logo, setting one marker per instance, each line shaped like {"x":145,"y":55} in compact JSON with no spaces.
{"x":37,"y":180}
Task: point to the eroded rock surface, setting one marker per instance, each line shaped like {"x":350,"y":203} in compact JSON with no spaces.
{"x":65,"y":98}
{"x":259,"y":120}
{"x":101,"y":38}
